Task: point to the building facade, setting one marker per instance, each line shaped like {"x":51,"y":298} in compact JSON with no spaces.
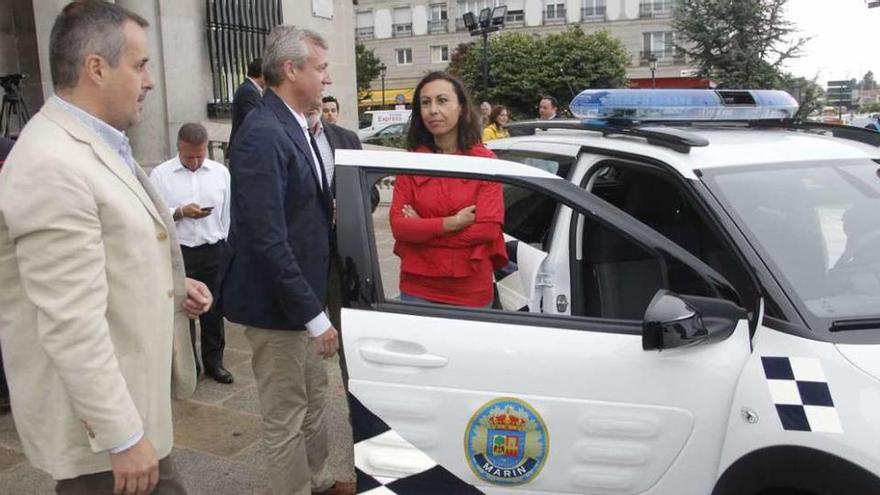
{"x":413,"y":37}
{"x":186,"y":58}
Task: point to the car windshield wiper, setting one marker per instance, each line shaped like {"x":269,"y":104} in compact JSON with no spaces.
{"x":872,"y":323}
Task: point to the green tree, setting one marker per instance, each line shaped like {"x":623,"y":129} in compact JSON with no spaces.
{"x":367,"y":67}
{"x":525,"y":66}
{"x":868,"y":81}
{"x":737,"y":43}
{"x":807,"y":92}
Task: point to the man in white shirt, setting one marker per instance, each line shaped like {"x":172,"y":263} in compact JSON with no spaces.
{"x":197,"y":191}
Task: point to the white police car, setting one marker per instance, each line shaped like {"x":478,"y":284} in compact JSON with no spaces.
{"x":694,"y":309}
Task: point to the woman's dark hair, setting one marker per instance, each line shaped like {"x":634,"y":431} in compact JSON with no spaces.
{"x":496,"y":111}
{"x":469,"y":122}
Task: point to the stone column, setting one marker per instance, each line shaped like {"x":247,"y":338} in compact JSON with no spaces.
{"x":150,"y":138}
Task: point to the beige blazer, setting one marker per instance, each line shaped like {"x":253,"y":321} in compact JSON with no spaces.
{"x":92,"y":329}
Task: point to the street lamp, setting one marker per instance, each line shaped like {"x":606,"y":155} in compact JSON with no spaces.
{"x":652,"y":64}
{"x":490,"y":20}
{"x":382,"y":70}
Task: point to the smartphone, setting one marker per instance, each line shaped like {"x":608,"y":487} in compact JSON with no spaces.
{"x":207,"y":208}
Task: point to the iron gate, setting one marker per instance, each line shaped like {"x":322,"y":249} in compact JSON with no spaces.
{"x":236,"y":32}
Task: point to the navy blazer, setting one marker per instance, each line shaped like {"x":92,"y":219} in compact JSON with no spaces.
{"x":275,"y":273}
{"x":245,"y":99}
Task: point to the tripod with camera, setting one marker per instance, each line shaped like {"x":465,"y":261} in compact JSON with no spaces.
{"x":13,"y":112}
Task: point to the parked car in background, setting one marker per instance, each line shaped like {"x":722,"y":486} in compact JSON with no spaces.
{"x":393,"y":136}
{"x":380,"y":119}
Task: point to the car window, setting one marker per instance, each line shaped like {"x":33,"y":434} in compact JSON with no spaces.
{"x":614,"y":277}
{"x":659,"y":201}
{"x":530,"y":216}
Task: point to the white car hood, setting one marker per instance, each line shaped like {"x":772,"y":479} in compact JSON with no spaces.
{"x":864,"y":357}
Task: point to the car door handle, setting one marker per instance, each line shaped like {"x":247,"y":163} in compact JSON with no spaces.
{"x":399,"y":353}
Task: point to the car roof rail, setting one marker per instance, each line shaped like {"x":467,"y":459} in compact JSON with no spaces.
{"x":853,"y":133}
{"x":674,"y":139}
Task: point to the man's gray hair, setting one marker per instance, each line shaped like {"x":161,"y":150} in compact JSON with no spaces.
{"x":192,"y":133}
{"x":287,"y":43}
{"x":87,"y":27}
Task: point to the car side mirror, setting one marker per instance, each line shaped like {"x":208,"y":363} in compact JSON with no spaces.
{"x":674,"y":320}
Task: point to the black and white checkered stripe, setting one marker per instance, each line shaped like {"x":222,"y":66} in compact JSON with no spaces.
{"x":801,"y":394}
{"x":375,"y":440}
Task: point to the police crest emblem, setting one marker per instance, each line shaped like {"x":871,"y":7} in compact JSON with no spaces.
{"x":506,"y":442}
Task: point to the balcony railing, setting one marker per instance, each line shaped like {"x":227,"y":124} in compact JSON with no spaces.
{"x":364,"y":33}
{"x":515,"y":22}
{"x":655,"y":9}
{"x":557,"y":17}
{"x":593,"y":14}
{"x":401,"y":30}
{"x":664,"y":57}
{"x":440,"y":26}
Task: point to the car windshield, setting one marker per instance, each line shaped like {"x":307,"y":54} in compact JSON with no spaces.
{"x":818,"y":227}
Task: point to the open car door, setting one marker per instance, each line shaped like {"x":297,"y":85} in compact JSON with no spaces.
{"x":450,"y":400}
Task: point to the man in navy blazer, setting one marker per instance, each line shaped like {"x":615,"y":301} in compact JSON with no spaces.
{"x":275,"y":281}
{"x":247,"y":96}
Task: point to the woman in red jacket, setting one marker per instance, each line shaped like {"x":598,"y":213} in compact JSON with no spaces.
{"x":447,"y":231}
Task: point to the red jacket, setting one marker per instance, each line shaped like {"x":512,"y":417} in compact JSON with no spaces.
{"x":452,"y":268}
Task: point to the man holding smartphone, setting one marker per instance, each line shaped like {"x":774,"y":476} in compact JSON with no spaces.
{"x":197,"y":191}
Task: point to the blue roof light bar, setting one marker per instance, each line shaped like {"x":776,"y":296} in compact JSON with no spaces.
{"x":684,"y":105}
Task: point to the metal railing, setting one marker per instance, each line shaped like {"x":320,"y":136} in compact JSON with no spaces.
{"x":664,"y":57}
{"x":655,"y":9}
{"x":593,"y":14}
{"x":558,"y":17}
{"x":236,"y":31}
{"x":364,"y":33}
{"x":402,"y":29}
{"x":440,"y":26}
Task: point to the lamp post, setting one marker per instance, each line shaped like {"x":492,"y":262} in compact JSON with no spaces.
{"x":490,"y":20}
{"x":652,"y":64}
{"x":382,"y":70}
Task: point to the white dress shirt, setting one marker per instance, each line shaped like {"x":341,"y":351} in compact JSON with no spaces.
{"x":209,"y":185}
{"x":319,"y":324}
{"x":325,"y":149}
{"x":116,"y":139}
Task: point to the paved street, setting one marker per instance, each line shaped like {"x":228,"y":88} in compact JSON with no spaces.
{"x":216,"y":435}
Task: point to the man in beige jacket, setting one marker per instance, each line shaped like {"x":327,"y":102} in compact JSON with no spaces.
{"x":94,"y":301}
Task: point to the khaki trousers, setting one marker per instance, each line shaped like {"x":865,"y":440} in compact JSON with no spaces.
{"x":292,"y":389}
{"x":102,"y":483}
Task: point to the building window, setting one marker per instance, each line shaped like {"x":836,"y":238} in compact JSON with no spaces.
{"x":248,"y":35}
{"x":655,"y":8}
{"x":364,"y":29}
{"x":439,"y":22}
{"x":515,"y":17}
{"x":554,"y":12}
{"x":593,"y":10}
{"x":660,"y":44}
{"x":439,"y":54}
{"x":404,"y":56}
{"x":402,"y":22}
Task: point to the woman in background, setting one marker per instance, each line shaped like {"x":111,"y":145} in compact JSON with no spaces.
{"x":498,"y":118}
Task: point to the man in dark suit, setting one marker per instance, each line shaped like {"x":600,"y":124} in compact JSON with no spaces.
{"x":247,"y":96}
{"x":275,"y":279}
{"x":548,"y":108}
